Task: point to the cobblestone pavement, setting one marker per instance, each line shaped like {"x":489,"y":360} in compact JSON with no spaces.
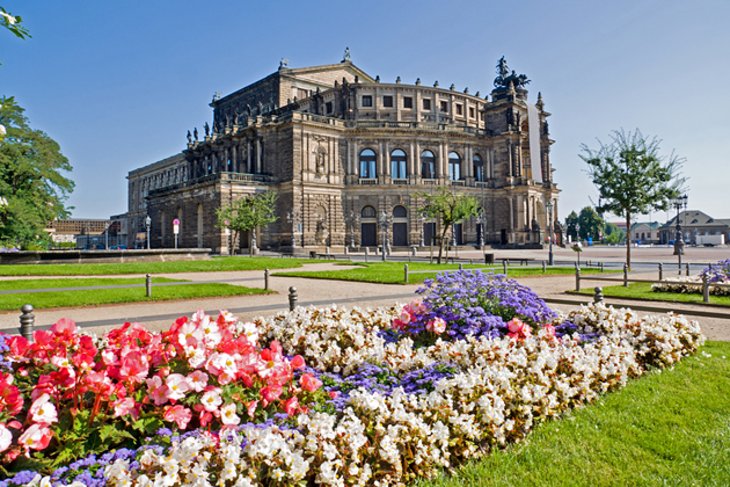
{"x":323,"y":292}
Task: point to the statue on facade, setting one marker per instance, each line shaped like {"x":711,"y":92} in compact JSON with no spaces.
{"x":284,"y":63}
{"x":322,"y":233}
{"x":190,"y":138}
{"x":346,"y":56}
{"x":206,"y":129}
{"x":195,"y":134}
{"x":505,"y":76}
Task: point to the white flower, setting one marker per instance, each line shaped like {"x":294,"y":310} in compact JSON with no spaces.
{"x":8,"y":18}
{"x":6,"y":438}
{"x":43,"y":411}
{"x":229,"y":416}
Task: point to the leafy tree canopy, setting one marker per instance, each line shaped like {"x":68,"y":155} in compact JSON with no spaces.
{"x":448,"y":208}
{"x":14,"y":23}
{"x":33,"y":182}
{"x":248,"y":213}
{"x":591,"y":224}
{"x":571,"y":225}
{"x":632,"y":177}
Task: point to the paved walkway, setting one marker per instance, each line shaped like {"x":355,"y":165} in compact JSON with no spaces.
{"x":319,"y":292}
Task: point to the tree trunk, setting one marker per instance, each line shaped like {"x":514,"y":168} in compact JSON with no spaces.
{"x":628,"y":240}
{"x":441,"y":243}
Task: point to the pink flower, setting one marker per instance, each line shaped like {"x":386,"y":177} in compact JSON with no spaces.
{"x":64,"y":326}
{"x":6,"y":438}
{"x":549,"y":330}
{"x":43,"y":411}
{"x":179,"y":414}
{"x":436,"y":325}
{"x":291,"y":406}
{"x":177,"y":386}
{"x":271,"y":393}
{"x":518,"y":330}
{"x":297,"y":362}
{"x":134,"y":366}
{"x":125,"y":406}
{"x":229,"y":416}
{"x":309,"y":383}
{"x":36,"y":437}
{"x":251,"y":408}
{"x":198,"y":380}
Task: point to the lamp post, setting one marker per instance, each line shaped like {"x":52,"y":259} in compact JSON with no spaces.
{"x":148,"y":224}
{"x":549,"y":207}
{"x":383,"y":220}
{"x":353,"y":222}
{"x":423,"y":231}
{"x":483,"y":222}
{"x":291,"y":218}
{"x":678,"y":203}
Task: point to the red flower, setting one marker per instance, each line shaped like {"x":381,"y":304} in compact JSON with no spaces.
{"x":291,"y":406}
{"x":309,"y":383}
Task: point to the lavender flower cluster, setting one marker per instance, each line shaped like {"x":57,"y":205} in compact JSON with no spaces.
{"x":719,"y":272}
{"x":474,"y":303}
{"x":4,"y":364}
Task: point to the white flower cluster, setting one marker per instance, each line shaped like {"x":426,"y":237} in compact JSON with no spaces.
{"x":502,"y":388}
{"x":689,"y":285}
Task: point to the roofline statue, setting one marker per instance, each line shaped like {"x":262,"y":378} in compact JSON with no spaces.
{"x":505,"y":77}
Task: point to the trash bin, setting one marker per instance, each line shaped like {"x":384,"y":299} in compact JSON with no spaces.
{"x":489,"y":258}
{"x":312,"y":254}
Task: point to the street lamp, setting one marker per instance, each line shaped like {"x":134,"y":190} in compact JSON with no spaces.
{"x":383,"y":220}
{"x":148,"y":224}
{"x":423,"y":231}
{"x":483,"y":222}
{"x":678,"y":203}
{"x":291,"y":218}
{"x":549,"y":207}
{"x":353,"y":222}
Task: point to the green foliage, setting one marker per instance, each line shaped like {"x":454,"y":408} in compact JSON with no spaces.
{"x":641,"y":291}
{"x":631,"y":176}
{"x":33,"y":184}
{"x":591,"y":224}
{"x":247,"y":214}
{"x":448,"y":208}
{"x":13,"y":23}
{"x":614,"y":235}
{"x":571,"y":225}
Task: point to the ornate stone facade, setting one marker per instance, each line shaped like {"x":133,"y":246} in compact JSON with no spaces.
{"x":341,"y":148}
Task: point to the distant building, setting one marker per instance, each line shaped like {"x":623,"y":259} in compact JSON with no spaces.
{"x":694,"y":223}
{"x":86,"y":233}
{"x":645,"y":232}
{"x":342,"y":149}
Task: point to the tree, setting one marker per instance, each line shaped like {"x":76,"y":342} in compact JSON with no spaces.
{"x":571,"y":225}
{"x":448,"y":208}
{"x":631,"y":176}
{"x":614,"y":235}
{"x":33,"y":184}
{"x":591,"y":224}
{"x":247,"y":214}
{"x":13,"y":23}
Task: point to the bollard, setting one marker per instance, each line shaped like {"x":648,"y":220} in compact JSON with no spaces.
{"x":504,"y":266}
{"x":327,"y":251}
{"x":148,"y":286}
{"x":544,"y":267}
{"x":626,"y":275}
{"x":292,"y":298}
{"x":705,"y":289}
{"x":461,"y":266}
{"x":601,"y":266}
{"x":27,"y":322}
{"x":577,"y":279}
{"x":347,"y":250}
{"x":266,"y":279}
{"x":661,"y":271}
{"x":367,"y":251}
{"x":405,"y":273}
{"x":597,"y":294}
{"x":687,"y":269}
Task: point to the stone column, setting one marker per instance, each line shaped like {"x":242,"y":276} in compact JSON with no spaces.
{"x":258,"y":156}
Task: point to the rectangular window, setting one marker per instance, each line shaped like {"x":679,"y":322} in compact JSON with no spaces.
{"x":328,"y":107}
{"x":408,"y":102}
{"x":367,"y":101}
{"x":472,"y":112}
{"x":445,"y":107}
{"x":459,"y":109}
{"x":426,"y":104}
{"x":388,"y":101}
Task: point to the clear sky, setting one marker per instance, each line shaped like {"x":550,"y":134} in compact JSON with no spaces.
{"x":118,"y":84}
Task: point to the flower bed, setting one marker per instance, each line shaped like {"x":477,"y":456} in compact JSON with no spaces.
{"x":333,"y":396}
{"x":718,"y":273}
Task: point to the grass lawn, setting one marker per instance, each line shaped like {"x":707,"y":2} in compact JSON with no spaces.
{"x":88,"y":297}
{"x":668,"y":428}
{"x":392,"y":272}
{"x":19,"y":284}
{"x":642,"y":291}
{"x":239,"y":263}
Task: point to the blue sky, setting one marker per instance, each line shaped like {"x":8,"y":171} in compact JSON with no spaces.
{"x":118,"y":84}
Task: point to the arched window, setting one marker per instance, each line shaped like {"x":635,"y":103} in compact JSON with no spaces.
{"x":398,"y":164}
{"x":478,"y":168}
{"x":400,"y":212}
{"x":367,"y":164}
{"x":428,"y":165}
{"x":454,"y":166}
{"x":367,"y":212}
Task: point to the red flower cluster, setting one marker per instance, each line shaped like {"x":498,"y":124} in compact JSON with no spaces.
{"x":201,"y":372}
